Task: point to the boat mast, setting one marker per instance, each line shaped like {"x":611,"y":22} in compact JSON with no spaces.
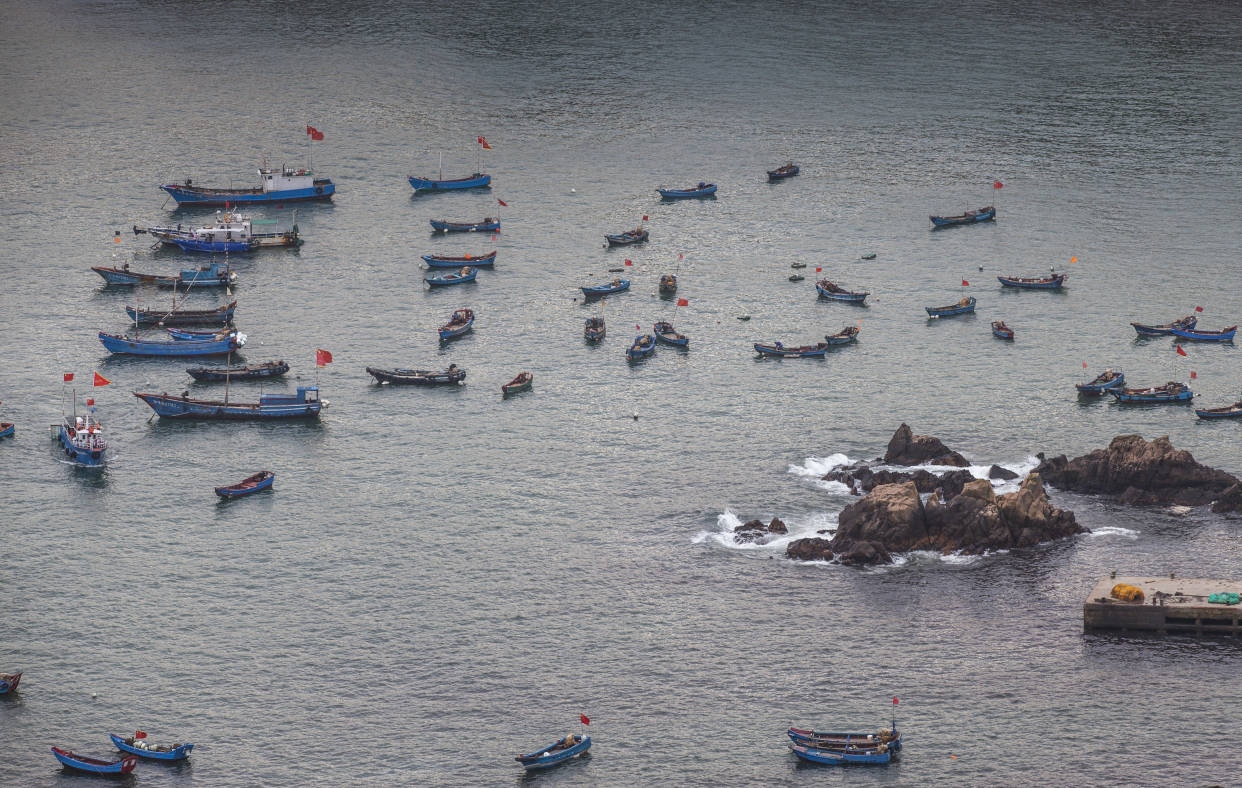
{"x":228,"y":366}
{"x":441,"y":165}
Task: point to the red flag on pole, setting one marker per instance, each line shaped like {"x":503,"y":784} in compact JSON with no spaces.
{"x":818,"y":270}
{"x":997,"y":185}
{"x":585,"y":719}
{"x":682,"y":302}
{"x":1193,"y":375}
{"x":322,"y":358}
{"x":68,"y":377}
{"x":637,"y":327}
{"x":965,"y":283}
{"x":1198,"y":309}
{"x":502,"y":202}
{"x":314,"y":133}
{"x":1180,"y":352}
{"x":895,"y":700}
{"x":90,"y":402}
{"x":100,"y":380}
{"x":644,"y":217}
{"x":629,"y":262}
{"x":483,"y":142}
{"x":680,"y":256}
{"x":140,"y":734}
{"x":1084,"y":365}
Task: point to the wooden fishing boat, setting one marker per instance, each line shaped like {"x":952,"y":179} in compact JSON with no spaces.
{"x":9,"y":682}
{"x":1143,"y":330}
{"x":827,"y":289}
{"x":210,"y":275}
{"x":569,"y":747}
{"x":644,"y":345}
{"x":137,"y":745}
{"x":636,"y":236}
{"x":486,"y":225}
{"x":1108,"y":379}
{"x":1233,"y":411}
{"x":251,"y":484}
{"x":868,"y":256}
{"x":668,"y":283}
{"x":1000,"y":330}
{"x":831,"y":739}
{"x":283,"y":185}
{"x":457,"y":261}
{"x":615,"y":286}
{"x":476,"y":180}
{"x":418,"y":377}
{"x":1052,"y":282}
{"x":665,"y":333}
{"x":522,"y":382}
{"x":967,"y":304}
{"x":264,"y":371}
{"x":778,"y":350}
{"x":461,"y":322}
{"x":81,"y":438}
{"x":969,"y":217}
{"x":1195,"y":335}
{"x":812,"y":754}
{"x":784,"y":171}
{"x":181,"y":317}
{"x":797,"y":265}
{"x":594,"y":330}
{"x":796,"y":277}
{"x":232,"y":233}
{"x":303,"y":405}
{"x":465,"y":274}
{"x":140,"y":347}
{"x":702,"y":190}
{"x":186,"y":335}
{"x":1171,"y":392}
{"x":95,"y":765}
{"x":844,"y":336}
{"x":7,"y":429}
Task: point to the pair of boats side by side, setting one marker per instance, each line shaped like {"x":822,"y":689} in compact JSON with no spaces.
{"x":137,"y":747}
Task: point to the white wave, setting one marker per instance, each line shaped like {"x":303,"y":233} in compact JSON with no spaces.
{"x":818,"y":466}
{"x":1114,"y":530}
{"x":799,"y":528}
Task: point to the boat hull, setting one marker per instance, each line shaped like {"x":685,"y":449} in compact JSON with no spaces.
{"x":604,"y":290}
{"x":640,"y":349}
{"x":1166,"y":330}
{"x":91,"y":457}
{"x":476,"y":181}
{"x":226,"y":374}
{"x":687,"y":194}
{"x":441,"y":261}
{"x":130,"y":347}
{"x":1231,"y":412}
{"x":448,"y":280}
{"x":10,"y":682}
{"x":257,"y":483}
{"x":176,"y":754}
{"x":783,"y":173}
{"x":626,"y":239}
{"x":94,"y":765}
{"x":949,"y":311}
{"x":323,"y":189}
{"x":983,"y":215}
{"x":274,"y":408}
{"x":1051,"y":283}
{"x":795,"y":352}
{"x":1160,"y":398}
{"x":535,"y":761}
{"x":839,"y":757}
{"x":442,"y":226}
{"x":1206,"y":336}
{"x":416,"y":377}
{"x":1094,"y":389}
{"x":7,"y":430}
{"x":151,"y":317}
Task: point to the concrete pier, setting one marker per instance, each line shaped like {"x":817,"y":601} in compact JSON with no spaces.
{"x":1169,"y":606}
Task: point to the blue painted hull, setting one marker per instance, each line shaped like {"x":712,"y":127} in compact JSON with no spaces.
{"x":80,"y":455}
{"x":685,"y":194}
{"x":1233,"y":411}
{"x":465,"y":227}
{"x":537,"y":760}
{"x":475,"y":181}
{"x":453,"y":330}
{"x":269,"y":406}
{"x":594,"y":332}
{"x":95,"y":765}
{"x":322,"y":190}
{"x":10,"y":682}
{"x":839,"y":757}
{"x":981,"y":215}
{"x":189,"y":245}
{"x":257,"y":483}
{"x":1138,"y":397}
{"x":452,"y":279}
{"x":783,"y":173}
{"x":949,"y":311}
{"x":676,"y":340}
{"x":810,"y":351}
{"x":124,"y":346}
{"x":627,"y":239}
{"x":1051,"y":283}
{"x":175,"y":754}
{"x":643,"y":346}
{"x":218,"y":276}
{"x":603,"y":290}
{"x":6,"y":431}
{"x":850,"y":297}
{"x":443,"y":261}
{"x":1096,"y":389}
{"x":1166,"y":330}
{"x":1002,"y":332}
{"x":837,"y":739}
{"x":1206,"y":336}
{"x":844,"y":337}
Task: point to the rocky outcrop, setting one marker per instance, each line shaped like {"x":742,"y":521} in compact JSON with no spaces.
{"x":755,"y":530}
{"x":862,"y":479}
{"x":997,"y":472}
{"x":906,"y":448}
{"x":1147,"y":473}
{"x":811,"y":549}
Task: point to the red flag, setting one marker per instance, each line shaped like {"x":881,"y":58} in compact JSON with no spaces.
{"x":895,"y":700}
{"x":140,"y":734}
{"x":965,"y":283}
{"x":322,"y":358}
{"x":502,"y":202}
{"x":314,"y":133}
{"x":1084,"y":365}
{"x":644,"y":217}
{"x":682,"y":302}
{"x":637,"y":327}
{"x":100,"y":380}
{"x":1180,"y":352}
{"x":997,"y":185}
{"x":585,"y":719}
{"x":90,"y":402}
{"x":629,"y":262}
{"x":1193,"y":375}
{"x":818,"y":270}
{"x":1198,"y":309}
{"x":680,"y":256}
{"x":483,"y":142}
{"x":68,"y":377}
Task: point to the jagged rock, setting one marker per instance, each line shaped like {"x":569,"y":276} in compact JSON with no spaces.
{"x":862,"y":479}
{"x":865,"y":553}
{"x":997,"y":472}
{"x":755,"y":530}
{"x":906,"y":448}
{"x":809,"y":549}
{"x":1142,"y":472}
{"x":1229,"y":501}
{"x":1032,"y":518}
{"x":890,"y":515}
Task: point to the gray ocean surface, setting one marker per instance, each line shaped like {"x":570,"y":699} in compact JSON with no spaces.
{"x":442,"y":579}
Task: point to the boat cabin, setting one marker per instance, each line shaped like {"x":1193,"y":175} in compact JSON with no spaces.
{"x":228,"y":227}
{"x":286,"y":178}
{"x":305,"y":394}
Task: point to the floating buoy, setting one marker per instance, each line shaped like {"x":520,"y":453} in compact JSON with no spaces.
{"x":573,"y":191}
{"x":980,"y":268}
{"x":635,"y":415}
{"x":93,"y":696}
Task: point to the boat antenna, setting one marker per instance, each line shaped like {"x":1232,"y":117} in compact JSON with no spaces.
{"x":441,"y":165}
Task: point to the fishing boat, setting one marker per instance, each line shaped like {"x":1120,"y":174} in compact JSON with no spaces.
{"x":969,"y":217}
{"x":668,"y":283}
{"x":461,"y":322}
{"x":185,"y":335}
{"x":209,"y":275}
{"x":784,"y":171}
{"x":522,"y":382}
{"x":643,"y":345}
{"x":122,"y":345}
{"x":9,"y":682}
{"x":629,"y":237}
{"x":138,"y":745}
{"x":594,"y":330}
{"x":831,"y":739}
{"x":1052,"y":282}
{"x":827,"y":289}
{"x":796,"y":277}
{"x":303,"y":405}
{"x":967,"y":304}
{"x":1108,"y":379}
{"x":615,"y":286}
{"x":264,"y":371}
{"x":778,"y":350}
{"x":1171,"y":392}
{"x":664,"y":332}
{"x":1233,"y":411}
{"x":702,"y":190}
{"x":456,"y":261}
{"x":1000,"y":330}
{"x":276,"y":185}
{"x":569,"y":747}
{"x":1143,"y":330}
{"x":811,"y":754}
{"x":7,"y":430}
{"x":251,"y":484}
{"x":478,"y":180}
{"x":95,"y":765}
{"x":81,"y":437}
{"x":231,"y":233}
{"x":418,"y":377}
{"x":844,"y":336}
{"x":181,"y":317}
{"x":487,"y":225}
{"x":465,"y":274}
{"x":1195,"y":335}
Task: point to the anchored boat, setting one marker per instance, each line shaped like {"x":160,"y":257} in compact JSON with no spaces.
{"x":969,"y":217}
{"x":1108,"y":379}
{"x":210,"y":275}
{"x":276,"y":185}
{"x":217,"y":346}
{"x":231,"y":233}
{"x":181,"y":317}
{"x":303,"y":405}
{"x":138,"y":745}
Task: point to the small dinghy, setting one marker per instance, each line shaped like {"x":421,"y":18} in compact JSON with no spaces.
{"x":784,"y":171}
{"x":95,"y":765}
{"x":796,"y":277}
{"x":642,"y":346}
{"x":9,"y":682}
{"x":521,"y":383}
{"x":1108,"y":379}
{"x":186,"y":335}
{"x":812,"y":754}
{"x":615,"y":286}
{"x":1000,"y":330}
{"x":827,"y":289}
{"x":487,"y":225}
{"x":460,"y":323}
{"x":967,"y":304}
{"x":457,"y":261}
{"x":1171,"y":392}
{"x":138,"y":745}
{"x":251,"y":484}
{"x":1233,"y":411}
{"x":665,"y":333}
{"x":844,"y":336}
{"x":1144,"y":330}
{"x":969,"y":217}
{"x":702,"y":190}
{"x":1052,"y":282}
{"x":594,"y":330}
{"x":1224,"y":335}
{"x":628,"y":238}
{"x":778,"y":350}
{"x":668,"y":283}
{"x":418,"y":377}
{"x":264,"y":371}
{"x":569,"y":747}
{"x":465,"y":274}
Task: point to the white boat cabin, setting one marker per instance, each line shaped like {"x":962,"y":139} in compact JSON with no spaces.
{"x":228,"y":227}
{"x":286,"y":178}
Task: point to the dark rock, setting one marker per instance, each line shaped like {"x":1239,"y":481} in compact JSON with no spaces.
{"x":891,"y":515}
{"x":866,"y":553}
{"x":906,"y":448}
{"x":809,"y":549}
{"x":997,"y":472}
{"x":861,"y":479}
{"x":755,"y":530}
{"x":1229,"y":501}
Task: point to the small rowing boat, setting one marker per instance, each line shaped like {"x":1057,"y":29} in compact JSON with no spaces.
{"x":827,"y":289}
{"x":466,"y":274}
{"x":522,"y":382}
{"x":702,"y":190}
{"x":1000,"y":330}
{"x":969,"y":217}
{"x":967,"y":304}
{"x":1108,"y":379}
{"x":418,"y":377}
{"x":248,"y":486}
{"x":138,"y":745}
{"x":457,"y":261}
{"x":264,"y":371}
{"x":569,"y":747}
{"x":778,"y":350}
{"x":85,"y":763}
{"x":784,"y":171}
{"x":461,"y":322}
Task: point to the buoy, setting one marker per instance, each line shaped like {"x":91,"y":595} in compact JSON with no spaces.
{"x":573,"y":191}
{"x":635,"y":415}
{"x":93,"y":696}
{"x":980,"y":268}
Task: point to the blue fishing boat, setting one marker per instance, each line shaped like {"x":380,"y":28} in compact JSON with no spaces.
{"x":615,"y":286}
{"x":668,"y":283}
{"x":138,"y":745}
{"x":487,"y":225}
{"x":827,"y":289}
{"x":594,"y":330}
{"x":1108,"y":379}
{"x":1195,"y":335}
{"x":210,"y":275}
{"x":664,"y":332}
{"x":1166,"y":330}
{"x":784,"y":171}
{"x":1171,"y":392}
{"x":466,"y":274}
{"x":461,"y":322}
{"x":95,"y":765}
{"x":1000,"y":330}
{"x":838,"y":739}
{"x":225,"y":343}
{"x":476,"y":180}
{"x":418,"y":377}
{"x":265,"y":371}
{"x":702,"y":190}
{"x":967,"y":304}
{"x":81,"y":438}
{"x":569,"y":747}
{"x":844,"y":336}
{"x":1233,"y":411}
{"x":9,"y":682}
{"x":248,"y":486}
{"x":644,"y":345}
{"x":181,"y":317}
{"x":230,"y":233}
{"x":1052,"y":282}
{"x":969,"y":217}
{"x":185,"y":335}
{"x":456,"y":261}
{"x":303,"y":405}
{"x":778,"y":350}
{"x":628,"y":238}
{"x":7,"y":429}
{"x":276,"y":185}
{"x":812,"y":754}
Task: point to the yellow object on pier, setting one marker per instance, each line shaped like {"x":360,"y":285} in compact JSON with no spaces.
{"x":1127,"y":593}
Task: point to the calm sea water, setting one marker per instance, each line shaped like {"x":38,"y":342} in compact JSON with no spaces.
{"x":441,"y":579}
